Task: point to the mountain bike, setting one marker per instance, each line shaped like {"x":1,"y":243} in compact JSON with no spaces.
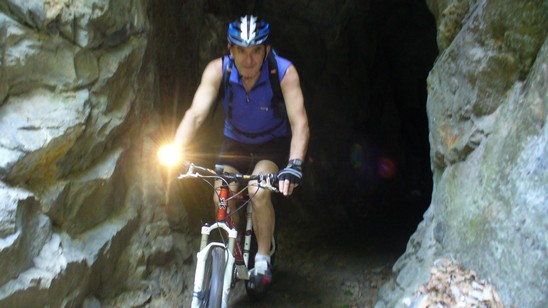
{"x":224,"y":261}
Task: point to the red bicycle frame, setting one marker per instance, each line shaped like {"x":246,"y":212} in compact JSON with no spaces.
{"x":222,"y":215}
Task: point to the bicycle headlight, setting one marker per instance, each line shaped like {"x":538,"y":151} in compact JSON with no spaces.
{"x":169,"y":155}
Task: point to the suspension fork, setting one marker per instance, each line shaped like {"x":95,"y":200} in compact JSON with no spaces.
{"x":224,"y":222}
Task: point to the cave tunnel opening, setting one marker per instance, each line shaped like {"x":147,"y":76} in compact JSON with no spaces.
{"x":363,"y":67}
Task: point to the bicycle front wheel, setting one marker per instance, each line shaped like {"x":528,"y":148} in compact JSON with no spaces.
{"x":213,"y":278}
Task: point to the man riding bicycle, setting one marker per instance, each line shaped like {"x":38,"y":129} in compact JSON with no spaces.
{"x":258,"y":135}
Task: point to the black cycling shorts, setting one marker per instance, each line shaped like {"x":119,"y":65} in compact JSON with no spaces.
{"x":244,"y":156}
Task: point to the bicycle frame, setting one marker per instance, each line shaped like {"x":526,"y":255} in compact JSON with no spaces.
{"x":232,"y":249}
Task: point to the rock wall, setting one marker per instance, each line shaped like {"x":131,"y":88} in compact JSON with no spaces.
{"x":487,"y":108}
{"x":81,"y":206}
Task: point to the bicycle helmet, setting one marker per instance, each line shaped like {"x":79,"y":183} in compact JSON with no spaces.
{"x":248,"y":32}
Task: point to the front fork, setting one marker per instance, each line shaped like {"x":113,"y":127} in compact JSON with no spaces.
{"x":205,"y":248}
{"x":233,"y":251}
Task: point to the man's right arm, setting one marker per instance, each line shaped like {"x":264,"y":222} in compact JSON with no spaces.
{"x":204,"y":98}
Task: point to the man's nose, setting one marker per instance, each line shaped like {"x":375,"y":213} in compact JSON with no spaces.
{"x":248,"y":59}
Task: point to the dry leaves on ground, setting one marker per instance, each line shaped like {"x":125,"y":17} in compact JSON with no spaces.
{"x":451,"y":285}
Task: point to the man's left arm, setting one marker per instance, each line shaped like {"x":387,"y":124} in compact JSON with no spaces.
{"x":298,"y":120}
{"x":296,"y":112}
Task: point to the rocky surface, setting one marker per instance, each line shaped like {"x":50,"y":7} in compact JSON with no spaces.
{"x":487,"y":110}
{"x":75,"y":87}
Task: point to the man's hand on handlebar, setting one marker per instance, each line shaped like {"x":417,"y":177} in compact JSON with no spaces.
{"x":290,"y":177}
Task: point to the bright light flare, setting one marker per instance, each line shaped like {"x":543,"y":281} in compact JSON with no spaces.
{"x":170,"y":155}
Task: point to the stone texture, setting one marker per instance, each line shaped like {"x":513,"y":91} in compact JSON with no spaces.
{"x":487,"y":111}
{"x":24,"y":230}
{"x":81,"y":210}
{"x":40,"y":137}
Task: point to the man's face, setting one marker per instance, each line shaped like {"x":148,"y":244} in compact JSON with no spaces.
{"x":248,"y":60}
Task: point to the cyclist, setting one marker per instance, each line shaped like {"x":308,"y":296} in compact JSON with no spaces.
{"x":257,"y":136}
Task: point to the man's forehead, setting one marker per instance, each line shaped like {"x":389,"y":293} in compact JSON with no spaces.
{"x":249,"y":48}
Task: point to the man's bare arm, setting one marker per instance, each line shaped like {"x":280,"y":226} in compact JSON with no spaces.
{"x":204,"y":98}
{"x":296,"y":112}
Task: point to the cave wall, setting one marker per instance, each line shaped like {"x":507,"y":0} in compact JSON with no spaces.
{"x":81,"y":199}
{"x":487,"y":110}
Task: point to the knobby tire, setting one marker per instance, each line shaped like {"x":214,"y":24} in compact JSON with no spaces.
{"x":213,"y":279}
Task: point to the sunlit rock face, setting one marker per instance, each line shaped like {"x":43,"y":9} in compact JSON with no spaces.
{"x":75,"y":103}
{"x":487,"y":109}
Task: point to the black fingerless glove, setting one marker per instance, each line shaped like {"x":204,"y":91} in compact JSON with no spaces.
{"x":293,"y":172}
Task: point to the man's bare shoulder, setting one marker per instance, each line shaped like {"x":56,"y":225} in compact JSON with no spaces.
{"x":214,"y":69}
{"x":291,"y":77}
{"x":216,"y":64}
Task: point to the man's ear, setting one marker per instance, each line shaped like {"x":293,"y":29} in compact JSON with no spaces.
{"x":229,"y":46}
{"x":267,"y":50}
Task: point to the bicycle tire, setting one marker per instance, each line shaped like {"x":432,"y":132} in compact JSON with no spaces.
{"x":213,"y":279}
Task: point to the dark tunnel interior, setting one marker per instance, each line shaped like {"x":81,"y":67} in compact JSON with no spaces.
{"x":363,"y":67}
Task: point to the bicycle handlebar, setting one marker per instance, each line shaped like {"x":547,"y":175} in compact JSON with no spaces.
{"x":266,"y":181}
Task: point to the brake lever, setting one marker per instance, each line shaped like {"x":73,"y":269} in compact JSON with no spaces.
{"x":267,"y":181}
{"x":189,"y":171}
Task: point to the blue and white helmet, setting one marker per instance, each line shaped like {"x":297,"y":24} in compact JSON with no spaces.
{"x":248,"y":32}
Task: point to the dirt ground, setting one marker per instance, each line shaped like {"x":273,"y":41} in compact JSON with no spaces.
{"x":316,"y":268}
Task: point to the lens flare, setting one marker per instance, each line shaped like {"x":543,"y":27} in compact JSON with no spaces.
{"x":386,"y":167}
{"x":356,"y":156}
{"x":169,"y":155}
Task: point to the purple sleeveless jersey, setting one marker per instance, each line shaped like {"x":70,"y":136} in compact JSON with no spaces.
{"x":253,"y":112}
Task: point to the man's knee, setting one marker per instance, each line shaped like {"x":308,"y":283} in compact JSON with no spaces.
{"x":259,"y":197}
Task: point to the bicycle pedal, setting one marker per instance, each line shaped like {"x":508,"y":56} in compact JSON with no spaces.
{"x":241,"y":272}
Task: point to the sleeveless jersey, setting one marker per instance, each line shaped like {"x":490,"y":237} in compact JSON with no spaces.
{"x":253,"y":113}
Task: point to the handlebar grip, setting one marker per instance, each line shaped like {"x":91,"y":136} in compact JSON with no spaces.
{"x":219,"y":168}
{"x":273,"y":178}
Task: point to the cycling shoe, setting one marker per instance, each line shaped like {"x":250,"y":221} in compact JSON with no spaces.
{"x":260,"y":280}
